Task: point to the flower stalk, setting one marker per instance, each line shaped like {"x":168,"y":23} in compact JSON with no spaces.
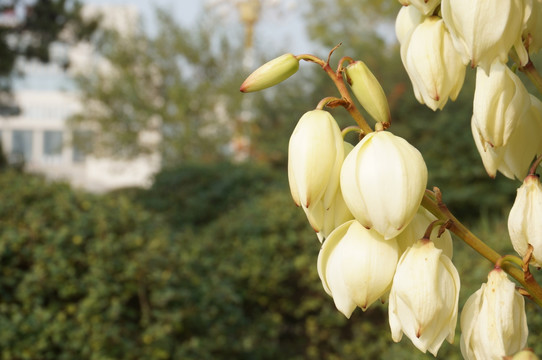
{"x":432,"y":201}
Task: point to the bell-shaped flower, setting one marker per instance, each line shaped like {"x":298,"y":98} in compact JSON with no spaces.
{"x":435,"y":68}
{"x":532,"y":33}
{"x":424,"y":297}
{"x":315,"y":155}
{"x":426,"y":7}
{"x":514,"y":158}
{"x":368,"y":91}
{"x":325,"y":219}
{"x":407,"y":19}
{"x":485,"y":31}
{"x":271,"y":73}
{"x":524,"y":224}
{"x":416,"y":230}
{"x":500,"y":101}
{"x":493,"y":321}
{"x":356,"y":266}
{"x":383,"y":181}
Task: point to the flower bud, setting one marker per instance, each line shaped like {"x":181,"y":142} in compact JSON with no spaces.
{"x":383,"y":180}
{"x":271,"y":73}
{"x":416,"y":230}
{"x":514,"y":158}
{"x":493,"y":321}
{"x":424,"y":297}
{"x":315,"y":155}
{"x":527,"y":354}
{"x":524,"y":224}
{"x":500,"y":101}
{"x":356,"y":266}
{"x":368,"y":91}
{"x":435,"y":68}
{"x":484,"y":31}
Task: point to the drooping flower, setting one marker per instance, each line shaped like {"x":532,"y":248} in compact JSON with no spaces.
{"x":315,"y":155}
{"x":493,"y":320}
{"x":383,"y":180}
{"x":435,"y":68}
{"x":407,"y":19}
{"x":524,"y":224}
{"x":500,"y":101}
{"x":423,"y":302}
{"x":356,"y":266}
{"x":485,"y":31}
{"x":532,"y":33}
{"x":514,"y":158}
{"x":325,"y":219}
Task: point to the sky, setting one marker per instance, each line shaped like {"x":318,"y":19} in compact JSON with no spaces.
{"x":281,"y":25}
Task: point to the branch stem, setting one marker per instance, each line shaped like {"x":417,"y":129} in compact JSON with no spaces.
{"x":440,"y":210}
{"x":533,"y":75}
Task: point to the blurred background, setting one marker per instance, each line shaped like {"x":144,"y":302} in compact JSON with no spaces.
{"x":144,"y":205}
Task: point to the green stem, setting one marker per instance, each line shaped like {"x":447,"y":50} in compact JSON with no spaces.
{"x":511,"y":259}
{"x":533,"y":75}
{"x":440,"y":210}
{"x":330,"y":101}
{"x":339,"y":83}
{"x":532,"y":170}
{"x":350,"y":129}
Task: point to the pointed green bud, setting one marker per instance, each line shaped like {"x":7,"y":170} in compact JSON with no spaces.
{"x":271,"y":73}
{"x":368,"y":91}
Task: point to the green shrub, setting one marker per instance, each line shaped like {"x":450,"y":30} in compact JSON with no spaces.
{"x":196,"y":194}
{"x":98,"y":277}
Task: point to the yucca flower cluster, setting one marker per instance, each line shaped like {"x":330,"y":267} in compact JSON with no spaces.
{"x":439,"y":39}
{"x":383,"y":236}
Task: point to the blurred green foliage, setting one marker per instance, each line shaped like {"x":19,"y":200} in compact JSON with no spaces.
{"x":115,"y":277}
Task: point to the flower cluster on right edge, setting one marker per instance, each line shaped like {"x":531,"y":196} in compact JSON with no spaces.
{"x":383,"y":235}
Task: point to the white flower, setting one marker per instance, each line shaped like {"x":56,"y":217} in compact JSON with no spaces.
{"x":356,"y":266}
{"x":500,"y":101}
{"x":524,"y":223}
{"x":532,"y":33}
{"x":424,"y":297}
{"x":485,"y":31}
{"x":315,"y":155}
{"x":435,"y":68}
{"x":416,"y":230}
{"x":524,"y":143}
{"x":325,"y":219}
{"x":383,"y":180}
{"x":407,"y":19}
{"x":493,"y":321}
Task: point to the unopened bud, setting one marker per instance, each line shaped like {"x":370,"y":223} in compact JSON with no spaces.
{"x":271,"y":73}
{"x":368,"y":91}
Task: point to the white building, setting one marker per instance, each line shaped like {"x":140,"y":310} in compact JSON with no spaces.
{"x":47,"y":97}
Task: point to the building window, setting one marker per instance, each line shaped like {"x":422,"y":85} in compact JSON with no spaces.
{"x":82,"y":145}
{"x":21,"y":150}
{"x":52,"y":143}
